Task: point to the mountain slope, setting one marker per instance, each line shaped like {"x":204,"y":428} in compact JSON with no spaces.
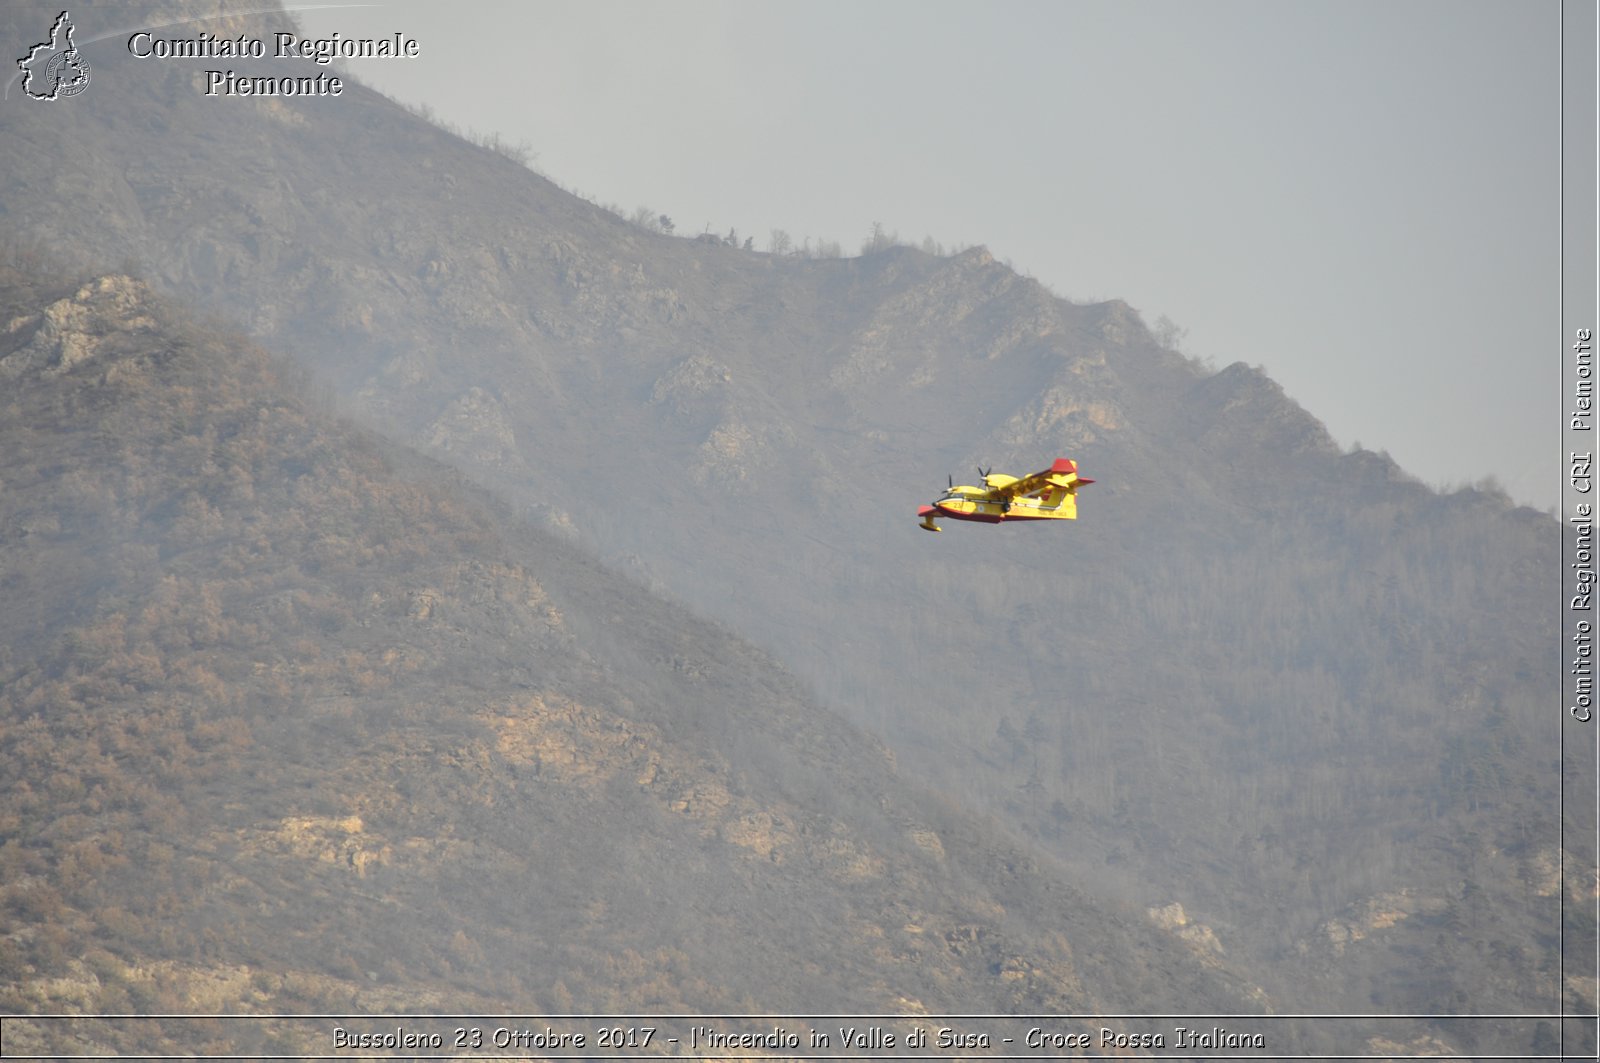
{"x":322,"y":730}
{"x":1279,"y":684}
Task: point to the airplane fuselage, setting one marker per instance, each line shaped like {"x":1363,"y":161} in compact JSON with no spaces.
{"x":1047,"y":495}
{"x":957,"y":506}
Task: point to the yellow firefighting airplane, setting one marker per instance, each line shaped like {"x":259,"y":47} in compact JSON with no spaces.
{"x":1048,"y":495}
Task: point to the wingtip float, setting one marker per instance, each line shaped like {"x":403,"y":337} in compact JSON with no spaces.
{"x":1047,"y":495}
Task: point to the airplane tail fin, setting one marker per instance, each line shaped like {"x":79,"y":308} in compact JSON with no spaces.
{"x":1061,"y":495}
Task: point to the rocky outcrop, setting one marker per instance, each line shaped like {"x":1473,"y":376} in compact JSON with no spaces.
{"x":76,"y":329}
{"x":474,"y":428}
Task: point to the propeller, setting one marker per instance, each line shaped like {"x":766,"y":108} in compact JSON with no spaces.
{"x":1005,"y":504}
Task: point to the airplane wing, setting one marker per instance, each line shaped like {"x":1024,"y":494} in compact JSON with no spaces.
{"x":1064,"y":473}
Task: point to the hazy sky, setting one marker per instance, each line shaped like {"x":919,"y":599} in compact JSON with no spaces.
{"x":1361,"y":197}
